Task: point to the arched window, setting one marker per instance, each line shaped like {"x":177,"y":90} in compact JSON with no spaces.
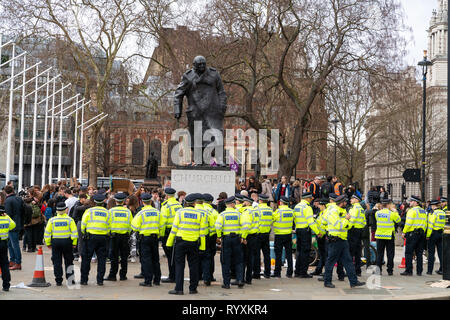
{"x":155,"y":147}
{"x":122,"y":116}
{"x":137,"y":152}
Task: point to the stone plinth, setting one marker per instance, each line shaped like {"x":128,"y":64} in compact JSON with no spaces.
{"x":211,"y":180}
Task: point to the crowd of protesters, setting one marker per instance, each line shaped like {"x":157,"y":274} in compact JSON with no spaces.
{"x":32,"y":208}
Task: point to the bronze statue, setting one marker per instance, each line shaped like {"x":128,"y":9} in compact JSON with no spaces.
{"x":207,"y":100}
{"x":151,"y":171}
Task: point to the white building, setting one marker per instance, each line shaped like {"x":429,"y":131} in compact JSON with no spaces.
{"x":382,"y":170}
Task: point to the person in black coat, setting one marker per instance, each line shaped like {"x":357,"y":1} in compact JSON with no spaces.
{"x":373,"y":196}
{"x":27,"y":237}
{"x":14,"y":208}
{"x":221,"y":202}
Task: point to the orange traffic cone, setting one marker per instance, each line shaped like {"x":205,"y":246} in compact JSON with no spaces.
{"x":402,"y":264}
{"x":39,"y":276}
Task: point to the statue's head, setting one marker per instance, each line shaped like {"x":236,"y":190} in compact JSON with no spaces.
{"x":199,"y":64}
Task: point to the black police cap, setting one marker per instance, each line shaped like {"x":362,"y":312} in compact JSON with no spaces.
{"x":238,"y":196}
{"x":230,"y":199}
{"x":415,"y":198}
{"x":61,"y":206}
{"x":198,"y":196}
{"x":284,"y":199}
{"x":169,"y":191}
{"x":247,"y":198}
{"x":263,"y":197}
{"x":435,"y":202}
{"x":120,"y":196}
{"x":340,"y":199}
{"x":324,"y":201}
{"x":99,"y":197}
{"x":307,"y":195}
{"x":356,"y":197}
{"x":333,"y":196}
{"x":146,"y":196}
{"x":386,"y":200}
{"x":208,"y":197}
{"x":190,"y":198}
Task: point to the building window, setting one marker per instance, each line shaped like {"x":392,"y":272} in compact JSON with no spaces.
{"x":122,"y":115}
{"x":137,"y":152}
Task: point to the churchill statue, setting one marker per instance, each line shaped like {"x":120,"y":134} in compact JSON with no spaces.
{"x":206,"y":97}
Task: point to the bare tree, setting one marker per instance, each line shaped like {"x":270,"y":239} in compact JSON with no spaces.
{"x":399,"y":117}
{"x":349,"y":98}
{"x":96,"y":32}
{"x":290,"y":48}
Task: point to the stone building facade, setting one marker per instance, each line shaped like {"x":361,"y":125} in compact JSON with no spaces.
{"x":382,"y":170}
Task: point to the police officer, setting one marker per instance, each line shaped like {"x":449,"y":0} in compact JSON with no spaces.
{"x":150,"y":224}
{"x":250,"y":218}
{"x":239,"y":198}
{"x":189,"y":226}
{"x":211,"y":243}
{"x":95,"y":227}
{"x":358,"y":221}
{"x":385,"y":234}
{"x":436,"y":224}
{"x":304,"y":223}
{"x":324,"y":222}
{"x":283,"y":220}
{"x":265,"y":222}
{"x":229,"y":227}
{"x":338,"y":248}
{"x":6,"y":224}
{"x":444,"y":204}
{"x":120,"y":236}
{"x":61,"y":236}
{"x":414,"y":233}
{"x":204,"y":256}
{"x":322,"y":204}
{"x":168,"y":210}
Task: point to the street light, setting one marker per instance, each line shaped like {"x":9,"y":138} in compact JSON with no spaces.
{"x":424,"y":64}
{"x":335,"y":121}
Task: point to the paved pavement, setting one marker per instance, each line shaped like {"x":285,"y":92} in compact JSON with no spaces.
{"x":392,"y":288}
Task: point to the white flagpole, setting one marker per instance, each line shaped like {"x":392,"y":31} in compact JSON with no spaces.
{"x":80,"y":174}
{"x":60,"y":136}
{"x":8,"y":151}
{"x":52,"y":126}
{"x":45,"y":131}
{"x":75,"y":143}
{"x":33,"y":145}
{"x":22,"y":128}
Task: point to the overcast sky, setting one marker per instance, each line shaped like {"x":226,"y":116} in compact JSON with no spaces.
{"x":418,"y":15}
